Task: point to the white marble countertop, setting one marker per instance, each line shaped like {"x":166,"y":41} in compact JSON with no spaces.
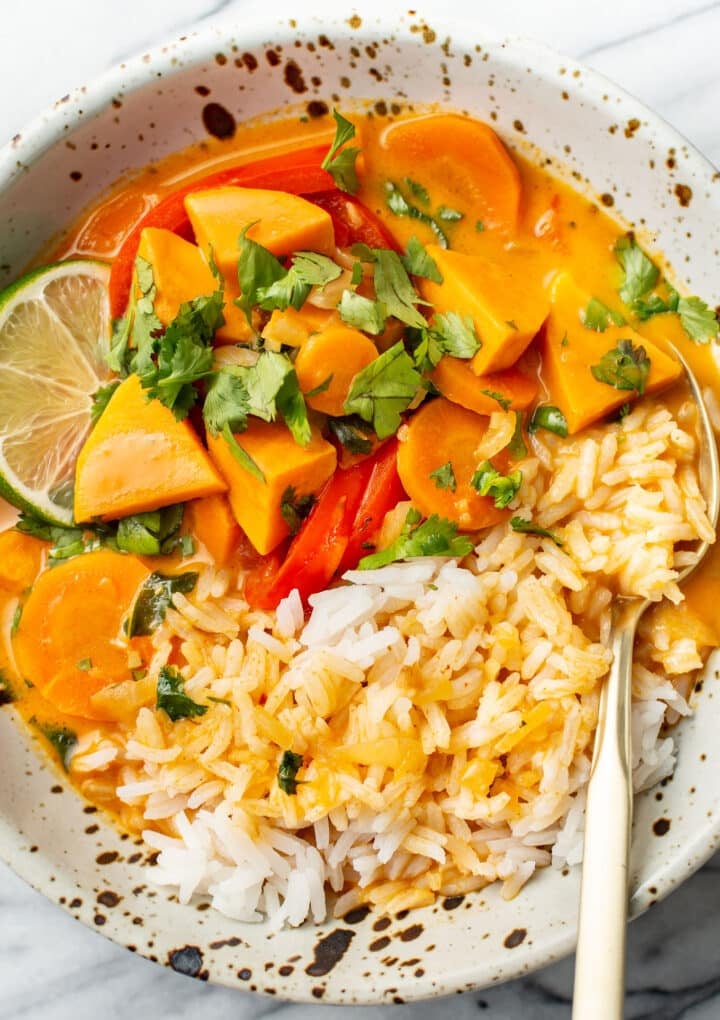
{"x":51,"y":968}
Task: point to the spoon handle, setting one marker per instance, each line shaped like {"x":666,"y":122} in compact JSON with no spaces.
{"x":600,"y":959}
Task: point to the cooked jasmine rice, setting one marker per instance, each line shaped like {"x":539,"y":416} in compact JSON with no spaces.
{"x":444,"y":710}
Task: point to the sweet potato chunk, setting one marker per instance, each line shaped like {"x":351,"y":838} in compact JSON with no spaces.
{"x":569,"y":349}
{"x":212,"y":522}
{"x":507,"y":306}
{"x":284,"y":463}
{"x":282,"y":222}
{"x":139,"y":457}
{"x":181,"y":273}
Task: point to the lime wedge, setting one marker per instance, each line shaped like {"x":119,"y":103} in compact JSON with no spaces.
{"x":54,"y":332}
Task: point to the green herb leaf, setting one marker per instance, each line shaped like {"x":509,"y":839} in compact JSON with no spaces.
{"x":226,"y":402}
{"x":504,"y":402}
{"x":290,"y":402}
{"x":479,"y":226}
{"x":487,"y":481}
{"x":150,"y":534}
{"x":62,"y":739}
{"x":117,"y":357}
{"x":154,"y":598}
{"x":308,"y":270}
{"x":322,"y":387}
{"x":101,"y":399}
{"x":625,"y":367}
{"x":456,"y":335}
{"x":655,"y":305}
{"x":258,"y":269}
{"x":444,"y":477}
{"x":341,"y":165}
{"x":85,"y":665}
{"x":171,"y":696}
{"x":517,"y":446}
{"x":289,"y":766}
{"x":436,"y":536}
{"x":17,"y":617}
{"x":549,"y":417}
{"x":353,"y":433}
{"x":383,"y":390}
{"x":295,"y":509}
{"x":357,"y":274}
{"x":641,"y":274}
{"x":418,"y":191}
{"x":241,"y":456}
{"x":598,"y":316}
{"x":698,"y":320}
{"x":445,"y":212}
{"x":418,"y":263}
{"x":393,"y":287}
{"x":528,"y":528}
{"x":362,"y":312}
{"x":398,"y":204}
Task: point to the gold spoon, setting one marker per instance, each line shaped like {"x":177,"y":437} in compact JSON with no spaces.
{"x":599,"y":988}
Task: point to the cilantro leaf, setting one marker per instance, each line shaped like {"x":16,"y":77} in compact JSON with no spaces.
{"x":117,"y":357}
{"x":549,"y":417}
{"x":295,"y":509}
{"x":398,"y":204}
{"x":655,"y":305}
{"x":445,"y":212}
{"x":598,"y":316}
{"x":698,"y":320}
{"x":341,"y":165}
{"x":528,"y":528}
{"x":418,"y":263}
{"x":308,"y":270}
{"x":154,"y":598}
{"x":257,"y":269}
{"x":153,"y":533}
{"x":517,"y":446}
{"x":61,"y":738}
{"x":361,"y":312}
{"x":101,"y":399}
{"x":353,"y":433}
{"x":290,"y":403}
{"x":382,"y":390}
{"x":640,"y":273}
{"x":418,"y":190}
{"x":456,"y":334}
{"x":624,"y":366}
{"x":488,"y":481}
{"x":290,"y":764}
{"x":393,"y":288}
{"x":444,"y":477}
{"x":436,"y":536}
{"x":503,"y":401}
{"x":226,"y":402}
{"x":241,"y":455}
{"x":171,"y":696}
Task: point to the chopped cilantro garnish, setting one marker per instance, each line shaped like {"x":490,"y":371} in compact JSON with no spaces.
{"x":503,"y":401}
{"x":444,"y":477}
{"x":17,"y":617}
{"x":393,"y":288}
{"x":625,"y":367}
{"x":322,"y":387}
{"x":418,"y":263}
{"x":698,"y":320}
{"x":295,"y":509}
{"x":436,"y":536}
{"x":479,"y":226}
{"x":645,"y":308}
{"x":154,"y":598}
{"x":353,"y":433}
{"x":488,"y":481}
{"x":549,"y":417}
{"x":290,"y":764}
{"x":257,"y":270}
{"x":308,"y":270}
{"x":418,"y":190}
{"x":85,"y":665}
{"x":62,"y":739}
{"x":362,"y":312}
{"x":528,"y":528}
{"x":456,"y":334}
{"x":151,"y":534}
{"x":383,"y":390}
{"x":450,"y":215}
{"x":517,"y":446}
{"x":171,"y":696}
{"x":640,"y":273}
{"x":101,"y":399}
{"x":241,"y":455}
{"x":598,"y":316}
{"x":339,"y":162}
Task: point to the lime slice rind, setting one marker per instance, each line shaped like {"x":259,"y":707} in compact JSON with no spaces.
{"x":50,"y":366}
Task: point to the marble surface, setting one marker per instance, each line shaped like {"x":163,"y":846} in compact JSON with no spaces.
{"x":51,"y":968}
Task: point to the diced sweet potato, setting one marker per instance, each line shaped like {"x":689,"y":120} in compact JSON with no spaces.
{"x":21,"y":557}
{"x":569,"y":349}
{"x":211,"y":521}
{"x":139,"y":457}
{"x":282,"y":223}
{"x":291,"y":328}
{"x":284,"y":463}
{"x":181,"y":273}
{"x":506,"y":304}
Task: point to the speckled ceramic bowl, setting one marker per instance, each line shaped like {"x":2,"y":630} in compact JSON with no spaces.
{"x":615,"y":150}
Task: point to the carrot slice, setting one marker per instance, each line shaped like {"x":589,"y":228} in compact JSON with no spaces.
{"x":440,"y":433}
{"x":69,"y":641}
{"x":467,"y":157}
{"x":510,"y":389}
{"x":211,"y":521}
{"x":332,"y":359}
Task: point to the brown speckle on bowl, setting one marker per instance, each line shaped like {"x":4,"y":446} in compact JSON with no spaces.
{"x":294,"y":77}
{"x":411,"y":933}
{"x":515,"y":938}
{"x":218,"y":121}
{"x":188,"y":960}
{"x":661,"y":826}
{"x":108,"y":898}
{"x":683,"y":193}
{"x":379,"y":944}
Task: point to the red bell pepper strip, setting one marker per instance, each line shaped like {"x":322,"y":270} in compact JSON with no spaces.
{"x":384,"y":491}
{"x":297,"y":172}
{"x":316,"y":550}
{"x":353,"y":222}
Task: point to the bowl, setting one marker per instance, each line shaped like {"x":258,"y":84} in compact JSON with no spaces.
{"x":544,"y":106}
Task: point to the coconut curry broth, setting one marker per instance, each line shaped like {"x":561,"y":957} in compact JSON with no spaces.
{"x":557,"y":229}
